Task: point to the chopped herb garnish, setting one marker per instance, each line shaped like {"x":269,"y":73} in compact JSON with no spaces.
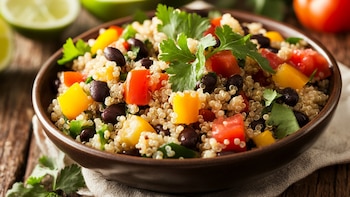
{"x":293,"y":40}
{"x":241,"y":46}
{"x":175,"y":22}
{"x":71,"y":51}
{"x":282,"y":117}
{"x":269,"y":96}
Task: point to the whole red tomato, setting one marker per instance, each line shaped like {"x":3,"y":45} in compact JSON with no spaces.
{"x":323,"y":15}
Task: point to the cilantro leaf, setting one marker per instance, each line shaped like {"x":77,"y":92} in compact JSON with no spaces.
{"x":283,"y":119}
{"x":71,"y":51}
{"x":269,"y":96}
{"x":179,"y":51}
{"x":293,"y":40}
{"x":175,"y":22}
{"x":185,"y":68}
{"x":70,"y":179}
{"x":241,"y":46}
{"x":19,"y":189}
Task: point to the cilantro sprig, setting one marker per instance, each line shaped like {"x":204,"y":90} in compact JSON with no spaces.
{"x":50,"y":177}
{"x":185,"y":68}
{"x":281,"y":117}
{"x":175,"y":22}
{"x":71,"y":51}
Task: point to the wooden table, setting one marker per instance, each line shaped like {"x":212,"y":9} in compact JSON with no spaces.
{"x":18,"y":152}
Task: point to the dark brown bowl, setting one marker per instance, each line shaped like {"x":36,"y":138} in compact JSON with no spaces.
{"x":188,"y":175}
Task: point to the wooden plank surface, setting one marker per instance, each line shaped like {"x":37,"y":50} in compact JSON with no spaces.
{"x":18,"y":152}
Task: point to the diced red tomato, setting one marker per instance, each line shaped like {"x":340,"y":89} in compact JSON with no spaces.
{"x":223,"y":63}
{"x":70,"y":77}
{"x":230,"y":129}
{"x":308,"y":60}
{"x":273,"y":58}
{"x":246,"y":101}
{"x":215,"y":22}
{"x":156,"y":86}
{"x":136,"y":89}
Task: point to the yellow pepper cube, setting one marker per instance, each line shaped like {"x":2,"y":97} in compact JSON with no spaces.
{"x":186,"y":105}
{"x":288,"y":76}
{"x":264,"y":139}
{"x":132,"y":129}
{"x":74,"y":101}
{"x":104,"y":39}
{"x":274,"y":36}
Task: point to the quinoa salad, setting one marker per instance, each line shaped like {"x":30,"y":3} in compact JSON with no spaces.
{"x":180,"y":85}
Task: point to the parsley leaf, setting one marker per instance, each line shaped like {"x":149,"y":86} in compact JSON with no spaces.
{"x":57,"y":177}
{"x":241,"y":46}
{"x":293,"y":40}
{"x":283,"y":119}
{"x":71,"y":51}
{"x":69,"y":179}
{"x":185,"y":68}
{"x":175,"y":22}
{"x":269,"y":96}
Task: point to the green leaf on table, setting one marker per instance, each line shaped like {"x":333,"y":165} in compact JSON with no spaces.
{"x":69,"y":179}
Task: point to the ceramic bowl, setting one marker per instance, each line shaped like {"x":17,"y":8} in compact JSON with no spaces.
{"x":188,"y":175}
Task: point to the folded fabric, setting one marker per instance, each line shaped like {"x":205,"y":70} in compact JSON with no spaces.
{"x":330,"y":149}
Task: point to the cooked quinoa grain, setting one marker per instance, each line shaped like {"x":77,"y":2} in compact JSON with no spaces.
{"x":150,"y":111}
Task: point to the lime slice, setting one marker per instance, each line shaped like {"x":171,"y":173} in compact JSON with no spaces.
{"x":6,"y":44}
{"x":107,"y":10}
{"x":40,"y":18}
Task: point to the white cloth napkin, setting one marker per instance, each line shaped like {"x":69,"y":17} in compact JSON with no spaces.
{"x":330,"y":149}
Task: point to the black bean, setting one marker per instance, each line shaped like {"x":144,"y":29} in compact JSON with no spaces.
{"x":289,"y":96}
{"x":113,"y":54}
{"x":136,"y":43}
{"x":302,"y":118}
{"x":159,"y":129}
{"x":99,"y":90}
{"x":272,"y":49}
{"x":235,"y":80}
{"x":146,"y":62}
{"x":110,"y":114}
{"x":255,"y":123}
{"x":263,"y":41}
{"x":132,"y":152}
{"x":189,"y":137}
{"x":86,"y":134}
{"x":209,"y":82}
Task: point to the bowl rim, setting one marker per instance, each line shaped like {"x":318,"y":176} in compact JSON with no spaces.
{"x":330,"y":106}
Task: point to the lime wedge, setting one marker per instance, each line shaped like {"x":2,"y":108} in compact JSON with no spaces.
{"x":106,"y":10}
{"x":6,"y":41}
{"x":39,"y":18}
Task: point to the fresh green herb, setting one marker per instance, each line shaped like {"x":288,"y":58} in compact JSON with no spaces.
{"x":269,"y":96}
{"x":129,"y":32}
{"x":178,"y":151}
{"x":283,"y":118}
{"x":241,"y":47}
{"x":101,"y":134}
{"x":89,"y":80}
{"x":71,"y":51}
{"x":293,"y":40}
{"x":58,"y":179}
{"x":175,"y":22}
{"x":185,"y":68}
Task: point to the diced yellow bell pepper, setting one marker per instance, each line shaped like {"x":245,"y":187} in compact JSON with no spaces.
{"x":274,"y":36}
{"x":73,"y":101}
{"x":288,"y":76}
{"x":132,"y":129}
{"x":106,"y":38}
{"x":264,"y":139}
{"x":186,"y":105}
{"x":105,"y":74}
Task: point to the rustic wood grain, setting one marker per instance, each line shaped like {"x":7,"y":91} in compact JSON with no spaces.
{"x":18,"y":152}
